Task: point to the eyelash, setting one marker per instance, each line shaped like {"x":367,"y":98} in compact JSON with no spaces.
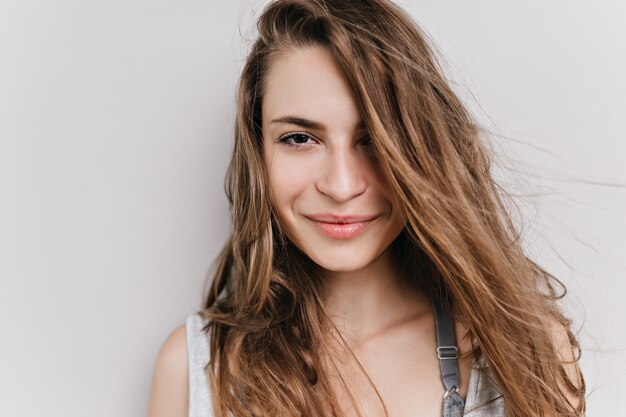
{"x":285,"y":139}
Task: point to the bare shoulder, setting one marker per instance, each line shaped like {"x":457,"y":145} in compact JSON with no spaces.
{"x":169,"y":394}
{"x":566,"y":355}
{"x":561,"y":340}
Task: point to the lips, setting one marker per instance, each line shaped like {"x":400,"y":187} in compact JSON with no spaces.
{"x":334,"y":218}
{"x":342,"y":227}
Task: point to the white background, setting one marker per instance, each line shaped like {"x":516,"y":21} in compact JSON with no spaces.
{"x":116,"y":123}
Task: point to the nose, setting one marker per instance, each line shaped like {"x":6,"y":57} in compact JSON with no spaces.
{"x":341,"y":175}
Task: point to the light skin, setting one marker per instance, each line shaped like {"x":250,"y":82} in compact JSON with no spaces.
{"x":331,"y":168}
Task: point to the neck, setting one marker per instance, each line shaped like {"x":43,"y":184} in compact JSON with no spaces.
{"x":366,"y":303}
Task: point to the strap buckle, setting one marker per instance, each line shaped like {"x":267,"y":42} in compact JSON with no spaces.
{"x":454,"y":388}
{"x":447,"y":352}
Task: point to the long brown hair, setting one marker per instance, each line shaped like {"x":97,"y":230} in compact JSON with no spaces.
{"x":267,"y":323}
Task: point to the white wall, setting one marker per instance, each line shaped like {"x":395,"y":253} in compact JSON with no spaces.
{"x":116,"y":123}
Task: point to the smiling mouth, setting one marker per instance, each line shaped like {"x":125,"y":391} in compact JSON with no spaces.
{"x":339,"y":230}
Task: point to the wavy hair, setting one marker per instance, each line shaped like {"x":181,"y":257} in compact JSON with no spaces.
{"x":268,"y":329}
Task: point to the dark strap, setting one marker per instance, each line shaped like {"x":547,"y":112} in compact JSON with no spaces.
{"x":448,"y":353}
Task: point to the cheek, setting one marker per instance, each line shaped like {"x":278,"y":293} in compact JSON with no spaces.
{"x":289,"y":179}
{"x":376,"y":171}
{"x":381,"y":181}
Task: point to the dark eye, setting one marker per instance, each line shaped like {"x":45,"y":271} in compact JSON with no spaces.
{"x":294,"y":139}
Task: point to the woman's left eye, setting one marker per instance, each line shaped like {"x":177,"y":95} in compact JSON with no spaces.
{"x":294,"y":139}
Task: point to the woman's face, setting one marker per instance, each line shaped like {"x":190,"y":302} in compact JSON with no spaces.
{"x":322,"y":165}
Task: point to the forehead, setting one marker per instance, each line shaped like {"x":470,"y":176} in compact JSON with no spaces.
{"x":309,"y":83}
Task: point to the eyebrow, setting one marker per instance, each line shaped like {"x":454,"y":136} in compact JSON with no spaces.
{"x":309,"y":124}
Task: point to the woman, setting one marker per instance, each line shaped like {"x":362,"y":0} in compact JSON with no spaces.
{"x":372,"y":268}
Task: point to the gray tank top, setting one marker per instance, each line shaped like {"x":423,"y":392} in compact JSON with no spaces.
{"x":483,"y":398}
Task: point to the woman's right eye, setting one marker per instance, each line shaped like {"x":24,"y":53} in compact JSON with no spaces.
{"x":294,"y":139}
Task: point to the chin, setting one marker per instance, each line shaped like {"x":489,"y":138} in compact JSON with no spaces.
{"x":338,"y":260}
